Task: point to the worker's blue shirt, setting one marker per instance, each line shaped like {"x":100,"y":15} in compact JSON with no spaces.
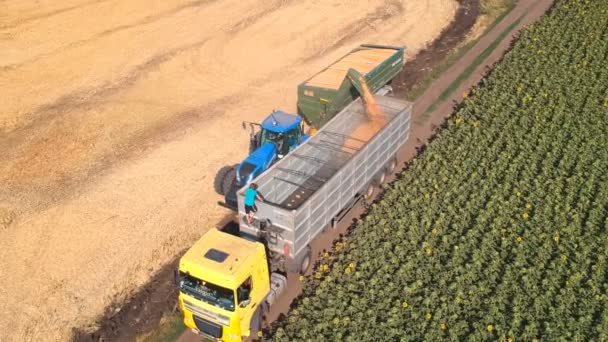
{"x":250,"y":196}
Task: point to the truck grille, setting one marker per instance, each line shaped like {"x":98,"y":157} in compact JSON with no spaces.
{"x":208,"y":328}
{"x":207,"y":314}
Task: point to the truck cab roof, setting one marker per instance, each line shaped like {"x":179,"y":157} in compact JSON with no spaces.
{"x":220,"y":258}
{"x":281,"y":122}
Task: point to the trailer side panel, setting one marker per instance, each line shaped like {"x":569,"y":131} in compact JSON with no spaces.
{"x":312,"y":184}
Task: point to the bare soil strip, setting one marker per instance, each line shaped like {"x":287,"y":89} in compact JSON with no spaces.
{"x":417,"y":69}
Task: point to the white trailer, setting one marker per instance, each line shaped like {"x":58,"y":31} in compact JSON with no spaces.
{"x":315,"y":184}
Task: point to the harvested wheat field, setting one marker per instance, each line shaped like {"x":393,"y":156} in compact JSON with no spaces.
{"x":115,"y":116}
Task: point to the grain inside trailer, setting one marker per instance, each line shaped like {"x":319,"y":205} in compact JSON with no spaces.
{"x":361,"y":60}
{"x":335,"y":150}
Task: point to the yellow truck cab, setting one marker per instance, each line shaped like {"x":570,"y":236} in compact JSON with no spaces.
{"x":225,"y":287}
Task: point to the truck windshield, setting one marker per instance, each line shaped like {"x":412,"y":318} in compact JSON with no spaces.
{"x":206,"y":291}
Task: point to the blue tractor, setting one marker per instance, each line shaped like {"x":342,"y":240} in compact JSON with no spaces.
{"x":279,"y":134}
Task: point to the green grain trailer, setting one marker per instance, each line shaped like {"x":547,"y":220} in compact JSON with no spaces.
{"x":328,"y":92}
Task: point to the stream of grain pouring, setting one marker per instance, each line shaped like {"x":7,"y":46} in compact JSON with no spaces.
{"x":371,"y":106}
{"x":374,"y":114}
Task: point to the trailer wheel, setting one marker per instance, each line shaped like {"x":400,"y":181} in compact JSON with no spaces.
{"x":392,"y":165}
{"x":306,"y":261}
{"x":382,"y":176}
{"x":334,"y":223}
{"x":369,"y":192}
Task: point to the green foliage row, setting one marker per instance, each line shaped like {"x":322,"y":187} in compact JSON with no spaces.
{"x":498,"y":231}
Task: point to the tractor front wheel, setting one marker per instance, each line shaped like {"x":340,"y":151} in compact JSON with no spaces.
{"x":224,"y":179}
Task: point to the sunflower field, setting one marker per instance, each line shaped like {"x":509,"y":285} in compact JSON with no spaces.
{"x":498,"y":231}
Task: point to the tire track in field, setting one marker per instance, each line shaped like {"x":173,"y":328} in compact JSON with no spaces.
{"x":250,"y":20}
{"x":51,"y":14}
{"x":47,"y":117}
{"x":85,"y":97}
{"x":175,"y":127}
{"x":178,"y":125}
{"x":381,"y":13}
{"x":120,"y":28}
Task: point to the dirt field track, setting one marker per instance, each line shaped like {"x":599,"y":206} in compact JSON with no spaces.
{"x":115,"y":116}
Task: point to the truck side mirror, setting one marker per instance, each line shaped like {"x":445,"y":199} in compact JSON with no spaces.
{"x":177,"y":277}
{"x":245,"y":303}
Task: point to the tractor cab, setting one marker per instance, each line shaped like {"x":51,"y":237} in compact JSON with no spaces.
{"x":281,"y":129}
{"x":279,"y":134}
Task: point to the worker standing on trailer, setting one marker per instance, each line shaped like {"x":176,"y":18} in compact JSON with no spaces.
{"x":251,"y":194}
